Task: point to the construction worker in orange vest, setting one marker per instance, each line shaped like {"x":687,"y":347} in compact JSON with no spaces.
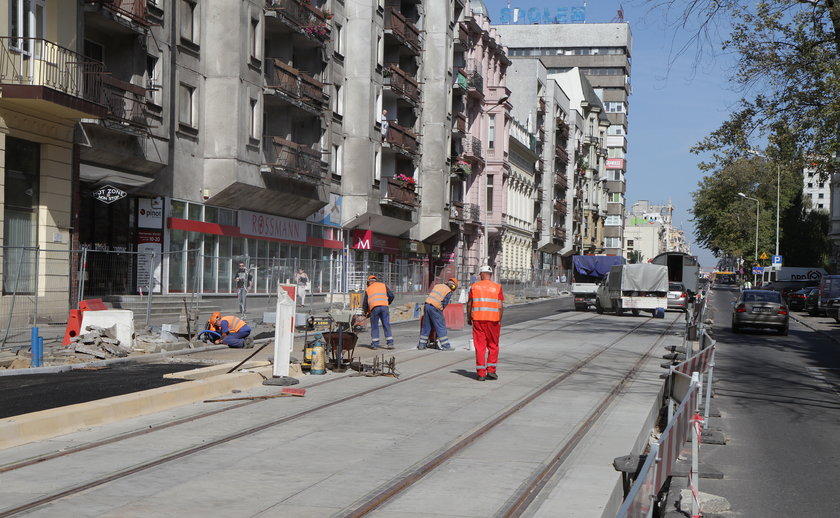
{"x":436,"y":302}
{"x":485,"y":308}
{"x":233,"y":330}
{"x":375,"y":305}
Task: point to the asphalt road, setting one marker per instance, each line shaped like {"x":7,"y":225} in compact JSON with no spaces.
{"x":779,"y":398}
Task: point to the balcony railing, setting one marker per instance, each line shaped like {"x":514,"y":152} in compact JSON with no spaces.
{"x":475,"y":81}
{"x":401,"y":137}
{"x":400,"y":26}
{"x":560,"y":206}
{"x":295,"y":160}
{"x":472,"y":212}
{"x":460,"y":123}
{"x":126,"y":102}
{"x":541,"y":104}
{"x":561,"y":154}
{"x":302,"y":15}
{"x":560,"y":180}
{"x":402,"y":83}
{"x":558,"y":233}
{"x":38,"y":62}
{"x":135,"y":10}
{"x":539,"y":225}
{"x":562,"y":129}
{"x":296,"y":84}
{"x":400,"y":192}
{"x":472,"y":147}
{"x":539,"y":196}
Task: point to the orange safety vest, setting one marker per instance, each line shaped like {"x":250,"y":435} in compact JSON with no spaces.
{"x":486,"y":301}
{"x":437,"y":295}
{"x":234,"y":324}
{"x":377,"y":295}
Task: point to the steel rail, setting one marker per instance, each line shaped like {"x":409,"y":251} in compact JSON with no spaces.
{"x":184,"y":420}
{"x":406,"y":480}
{"x":222,"y":440}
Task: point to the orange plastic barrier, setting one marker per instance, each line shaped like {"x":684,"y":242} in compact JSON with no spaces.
{"x":92,"y":305}
{"x":454,"y":315}
{"x":74,"y":326}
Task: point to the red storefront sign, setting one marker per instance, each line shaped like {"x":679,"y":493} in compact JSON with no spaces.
{"x":367,"y":240}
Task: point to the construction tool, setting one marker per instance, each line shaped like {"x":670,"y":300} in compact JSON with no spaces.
{"x":285,"y":392}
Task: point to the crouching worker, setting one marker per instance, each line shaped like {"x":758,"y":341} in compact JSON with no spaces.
{"x":436,"y":302}
{"x":233,"y":330}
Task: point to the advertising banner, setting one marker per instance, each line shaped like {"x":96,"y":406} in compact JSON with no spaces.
{"x":268,"y":226}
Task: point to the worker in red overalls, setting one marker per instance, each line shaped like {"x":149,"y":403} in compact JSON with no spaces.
{"x":485,"y":308}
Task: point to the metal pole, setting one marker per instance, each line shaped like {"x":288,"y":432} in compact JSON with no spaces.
{"x":709,"y":375}
{"x":150,"y":288}
{"x":757,"y":205}
{"x":778,"y":189}
{"x":82,"y":271}
{"x":37,"y":283}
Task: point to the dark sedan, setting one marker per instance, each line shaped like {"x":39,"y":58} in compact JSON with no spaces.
{"x":796,"y":299}
{"x":760,"y":308}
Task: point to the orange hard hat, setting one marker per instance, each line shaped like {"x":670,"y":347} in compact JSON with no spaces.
{"x":215,"y":316}
{"x":452,"y":281}
{"x":371,"y":277}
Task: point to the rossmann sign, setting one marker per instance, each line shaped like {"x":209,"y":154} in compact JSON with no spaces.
{"x":800,"y":274}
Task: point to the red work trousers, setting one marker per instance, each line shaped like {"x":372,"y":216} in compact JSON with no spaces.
{"x":486,"y":343}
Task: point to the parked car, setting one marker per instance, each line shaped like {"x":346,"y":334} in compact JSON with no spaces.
{"x":829,"y":289}
{"x":812,"y":301}
{"x":677,"y":296}
{"x":796,"y":299}
{"x":760,"y":308}
{"x":832,"y":309}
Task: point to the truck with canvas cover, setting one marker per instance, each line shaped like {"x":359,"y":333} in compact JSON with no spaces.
{"x":635,"y":287}
{"x":587,"y":272}
{"x":682,"y":268}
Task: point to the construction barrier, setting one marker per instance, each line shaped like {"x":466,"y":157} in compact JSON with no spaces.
{"x":454,"y":316}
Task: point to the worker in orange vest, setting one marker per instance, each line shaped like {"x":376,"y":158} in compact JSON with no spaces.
{"x":233,"y":330}
{"x":436,"y":302}
{"x":375,"y":305}
{"x":485,"y":308}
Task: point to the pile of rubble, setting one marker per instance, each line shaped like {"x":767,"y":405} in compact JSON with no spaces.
{"x":100,"y":342}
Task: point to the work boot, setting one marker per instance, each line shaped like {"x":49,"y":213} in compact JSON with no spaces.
{"x":249,"y":343}
{"x":421,"y":346}
{"x":492,"y":376}
{"x":389,"y":346}
{"x":447,"y":348}
{"x":481,"y":378}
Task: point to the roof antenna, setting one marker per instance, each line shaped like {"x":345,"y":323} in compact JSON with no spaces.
{"x":619,"y":16}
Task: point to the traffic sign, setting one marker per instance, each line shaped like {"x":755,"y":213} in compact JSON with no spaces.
{"x":758,"y":270}
{"x":764,"y":256}
{"x":777,"y":260}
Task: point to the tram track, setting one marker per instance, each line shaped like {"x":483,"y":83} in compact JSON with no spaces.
{"x":189,"y":419}
{"x":161,"y":460}
{"x":519,"y":502}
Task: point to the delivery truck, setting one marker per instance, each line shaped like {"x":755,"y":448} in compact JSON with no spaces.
{"x":587,"y":272}
{"x":634,"y":287}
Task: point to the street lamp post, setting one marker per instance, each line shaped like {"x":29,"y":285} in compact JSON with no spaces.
{"x":757,"y":205}
{"x":778,"y":189}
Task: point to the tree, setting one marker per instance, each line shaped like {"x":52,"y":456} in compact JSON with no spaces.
{"x":636,"y":256}
{"x":788,"y":69}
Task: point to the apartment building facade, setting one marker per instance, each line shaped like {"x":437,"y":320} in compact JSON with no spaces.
{"x":601,"y":51}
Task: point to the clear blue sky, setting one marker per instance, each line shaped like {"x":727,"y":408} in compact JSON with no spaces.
{"x":673,"y":105}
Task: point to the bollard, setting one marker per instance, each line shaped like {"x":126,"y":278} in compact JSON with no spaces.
{"x":36,"y":347}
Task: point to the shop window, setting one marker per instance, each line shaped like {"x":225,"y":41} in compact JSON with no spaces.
{"x":20,"y":225}
{"x":178,"y":209}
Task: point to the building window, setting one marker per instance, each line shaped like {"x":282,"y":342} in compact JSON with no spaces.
{"x":489,"y":200}
{"x":821,"y":196}
{"x":27,"y":19}
{"x":820,"y":206}
{"x":255,"y":39}
{"x":491,"y":132}
{"x":20,"y":215}
{"x":189,"y":21}
{"x":630,"y":243}
{"x":615,"y":197}
{"x":337,"y":100}
{"x":154,"y":82}
{"x":255,"y":120}
{"x":810,"y":185}
{"x":186,"y":108}
{"x":614,"y":107}
{"x":335,"y":160}
{"x":612,"y":242}
{"x":613,"y":221}
{"x":338,"y":39}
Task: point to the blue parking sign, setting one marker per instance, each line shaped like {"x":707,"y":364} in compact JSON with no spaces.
{"x":776,"y":260}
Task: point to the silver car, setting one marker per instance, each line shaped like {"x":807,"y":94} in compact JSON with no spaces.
{"x":677,"y":296}
{"x":760,"y":308}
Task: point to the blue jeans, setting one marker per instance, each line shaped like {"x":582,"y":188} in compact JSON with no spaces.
{"x":433,"y":317}
{"x":380,"y":313}
{"x":237,"y":339}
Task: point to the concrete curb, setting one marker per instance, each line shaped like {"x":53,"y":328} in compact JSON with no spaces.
{"x":45,"y":424}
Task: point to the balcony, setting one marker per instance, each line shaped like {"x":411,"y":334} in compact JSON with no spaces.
{"x":126,"y":104}
{"x":472,"y":148}
{"x":579,"y":193}
{"x":125,"y":10}
{"x":302,"y":16}
{"x":539,"y":196}
{"x":460,"y":123}
{"x":472,"y":213}
{"x":302,"y":90}
{"x":540,"y":165}
{"x":561,"y":181}
{"x":294,"y":161}
{"x":558,"y":233}
{"x":562,"y":129}
{"x":404,"y":30}
{"x":592,"y":140}
{"x":538,"y":225}
{"x":401,"y":138}
{"x":561,"y":154}
{"x":560,"y":206}
{"x":541,"y":104}
{"x":402,"y":83}
{"x":400,"y":193}
{"x":456,"y":211}
{"x":43,"y":75}
{"x":475,"y":81}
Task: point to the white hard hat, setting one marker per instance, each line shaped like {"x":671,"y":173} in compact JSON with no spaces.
{"x":485,"y":269}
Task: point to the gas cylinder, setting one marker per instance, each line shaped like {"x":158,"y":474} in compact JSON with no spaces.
{"x":319,"y":358}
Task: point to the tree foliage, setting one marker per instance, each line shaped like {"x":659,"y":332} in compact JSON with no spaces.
{"x":636,"y":256}
{"x":788,"y":70}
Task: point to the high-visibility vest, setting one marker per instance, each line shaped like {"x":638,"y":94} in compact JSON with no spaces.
{"x":486,"y":301}
{"x":437,"y":295}
{"x":377,"y":295}
{"x":234,"y":324}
